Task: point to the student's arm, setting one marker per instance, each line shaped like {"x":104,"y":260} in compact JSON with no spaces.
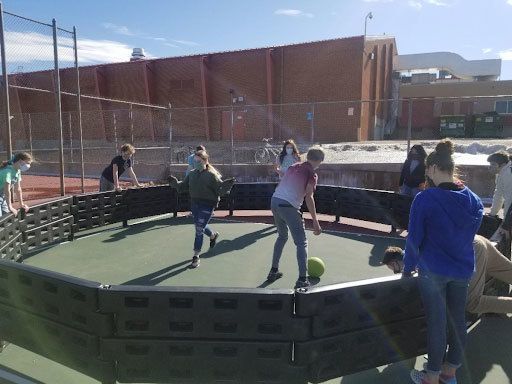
{"x":507,"y":219}
{"x":7,"y":194}
{"x":180,"y":186}
{"x":226,"y":185}
{"x":416,"y":233}
{"x":277,"y":167}
{"x":310,"y":203}
{"x":401,"y":182}
{"x":115,"y":176}
{"x":20,"y":196}
{"x":134,"y":177}
{"x":498,"y":197}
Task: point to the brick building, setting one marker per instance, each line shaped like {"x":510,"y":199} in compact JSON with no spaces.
{"x":273,"y":89}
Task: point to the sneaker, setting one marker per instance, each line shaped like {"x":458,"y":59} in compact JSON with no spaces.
{"x":195,"y":262}
{"x":3,"y":345}
{"x":214,"y":240}
{"x":447,"y":379}
{"x":302,"y":283}
{"x":273,"y":276}
{"x":419,"y":377}
{"x":443,"y":378}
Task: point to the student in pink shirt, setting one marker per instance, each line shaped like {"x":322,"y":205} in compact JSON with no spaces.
{"x":297,"y":185}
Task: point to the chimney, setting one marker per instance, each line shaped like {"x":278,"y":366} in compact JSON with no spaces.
{"x":137,"y":54}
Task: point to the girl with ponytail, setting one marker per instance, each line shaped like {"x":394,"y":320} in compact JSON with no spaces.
{"x":443,"y":222}
{"x":10,"y":175}
{"x":205,"y":186}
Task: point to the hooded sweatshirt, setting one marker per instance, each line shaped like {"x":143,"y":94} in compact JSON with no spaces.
{"x":443,"y":222}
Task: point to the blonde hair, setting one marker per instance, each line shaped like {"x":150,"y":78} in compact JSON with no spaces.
{"x":205,"y":157}
{"x":128,"y":148}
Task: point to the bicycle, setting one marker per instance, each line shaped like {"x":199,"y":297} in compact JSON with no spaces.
{"x":267,"y":153}
{"x":183,"y":153}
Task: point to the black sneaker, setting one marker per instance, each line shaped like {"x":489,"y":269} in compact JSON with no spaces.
{"x":273,"y":276}
{"x":214,"y":240}
{"x":302,"y":283}
{"x":195,"y":262}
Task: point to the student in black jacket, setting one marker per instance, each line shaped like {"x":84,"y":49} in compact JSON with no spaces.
{"x":413,"y":171}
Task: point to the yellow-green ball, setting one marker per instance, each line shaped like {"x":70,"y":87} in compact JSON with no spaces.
{"x":316,"y":267}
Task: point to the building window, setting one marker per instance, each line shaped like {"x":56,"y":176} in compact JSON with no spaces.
{"x":181,"y":85}
{"x":503,"y":106}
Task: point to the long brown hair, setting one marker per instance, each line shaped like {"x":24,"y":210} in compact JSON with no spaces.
{"x":442,"y":157}
{"x":17,"y":157}
{"x":205,"y":157}
{"x":283,"y":151}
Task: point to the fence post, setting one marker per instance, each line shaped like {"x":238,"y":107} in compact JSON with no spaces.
{"x":409,"y":126}
{"x":170,"y":133}
{"x":79,"y":109}
{"x":5,"y":84}
{"x":70,"y":136}
{"x":58,"y":107}
{"x":312,"y":123}
{"x":115,"y":133}
{"x":30,"y":134}
{"x":131,"y":124}
{"x":232,"y":133}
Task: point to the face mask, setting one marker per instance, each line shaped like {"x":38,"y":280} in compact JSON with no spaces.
{"x":24,"y":167}
{"x":199,"y":165}
{"x":289,"y":151}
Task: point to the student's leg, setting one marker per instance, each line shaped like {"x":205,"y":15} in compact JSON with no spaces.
{"x":202,"y":215}
{"x":498,"y":266}
{"x":106,"y":185}
{"x":456,"y":295}
{"x":293,"y":218}
{"x":4,"y":208}
{"x":282,"y":231}
{"x":433,"y":295}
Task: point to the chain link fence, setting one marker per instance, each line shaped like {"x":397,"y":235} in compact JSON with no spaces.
{"x":74,"y":131}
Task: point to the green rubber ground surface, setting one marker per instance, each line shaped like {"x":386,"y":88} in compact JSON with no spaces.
{"x":157,"y":252}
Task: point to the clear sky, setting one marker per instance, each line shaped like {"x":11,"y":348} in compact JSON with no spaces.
{"x":109,"y":29}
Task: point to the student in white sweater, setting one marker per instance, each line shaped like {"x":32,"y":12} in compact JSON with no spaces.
{"x":501,"y":165}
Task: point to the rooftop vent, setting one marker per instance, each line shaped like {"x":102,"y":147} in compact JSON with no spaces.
{"x":137,"y":54}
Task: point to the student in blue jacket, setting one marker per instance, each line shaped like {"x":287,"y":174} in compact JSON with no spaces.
{"x":443,"y":222}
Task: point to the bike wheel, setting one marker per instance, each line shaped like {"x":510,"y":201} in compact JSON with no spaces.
{"x":261,"y":156}
{"x":181,"y":157}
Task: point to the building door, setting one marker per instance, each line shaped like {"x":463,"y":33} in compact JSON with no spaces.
{"x":239,"y":125}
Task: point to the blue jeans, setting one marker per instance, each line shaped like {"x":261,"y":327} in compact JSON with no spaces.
{"x":405,"y":190}
{"x":287,"y":216}
{"x":444,"y":299}
{"x":202,"y":214}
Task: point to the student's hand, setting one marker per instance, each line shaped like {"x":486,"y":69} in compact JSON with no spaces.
{"x":317,"y":230}
{"x":25,"y":207}
{"x":173,"y":182}
{"x":14,"y":211}
{"x":119,"y":189}
{"x":139,"y":185}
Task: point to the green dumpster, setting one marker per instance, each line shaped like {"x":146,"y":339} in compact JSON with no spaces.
{"x":452,"y":126}
{"x":489,"y":124}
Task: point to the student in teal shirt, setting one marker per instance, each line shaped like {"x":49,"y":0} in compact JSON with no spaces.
{"x":205,"y":187}
{"x":10,"y":175}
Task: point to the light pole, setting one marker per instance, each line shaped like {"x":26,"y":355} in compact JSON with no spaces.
{"x":368,"y":16}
